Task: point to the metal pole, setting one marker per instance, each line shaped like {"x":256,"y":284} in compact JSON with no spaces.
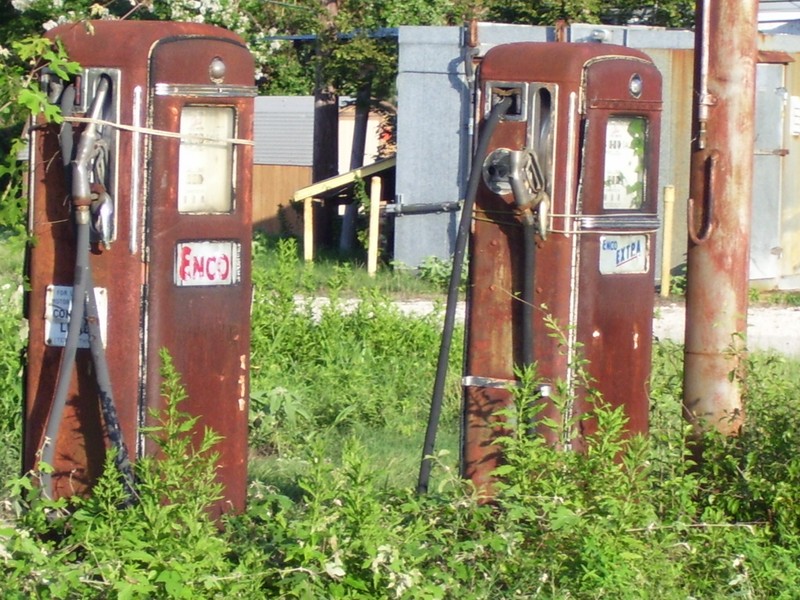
{"x":719,"y":213}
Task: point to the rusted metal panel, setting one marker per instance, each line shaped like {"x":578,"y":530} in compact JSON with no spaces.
{"x":615,"y":307}
{"x":205,"y":328}
{"x":721,"y":186}
{"x":122,"y":268}
{"x":609,"y":314}
{"x":776,"y":57}
{"x":80,"y":448}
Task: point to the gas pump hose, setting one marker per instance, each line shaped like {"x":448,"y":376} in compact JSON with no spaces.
{"x":462,"y":235}
{"x":84,"y":303}
{"x":105,"y":391}
{"x":70,"y":348}
{"x":528,"y":287}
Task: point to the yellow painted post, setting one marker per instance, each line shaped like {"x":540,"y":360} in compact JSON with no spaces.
{"x":666,"y":243}
{"x":374,"y":225}
{"x":308,"y":229}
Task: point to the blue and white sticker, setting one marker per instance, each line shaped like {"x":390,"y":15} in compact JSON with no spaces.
{"x":626,"y":254}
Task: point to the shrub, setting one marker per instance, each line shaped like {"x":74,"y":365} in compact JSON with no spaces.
{"x":323,"y":362}
{"x":163,"y":544}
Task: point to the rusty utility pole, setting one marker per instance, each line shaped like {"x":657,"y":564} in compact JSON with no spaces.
{"x":719,"y":213}
{"x":326,"y":102}
{"x":325,"y":152}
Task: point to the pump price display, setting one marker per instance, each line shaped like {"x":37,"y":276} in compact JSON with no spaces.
{"x":205,"y":263}
{"x":623,"y":182}
{"x":205,"y":163}
{"x":58,"y":308}
{"x":624,"y":254}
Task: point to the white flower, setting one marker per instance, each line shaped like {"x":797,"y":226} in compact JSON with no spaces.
{"x":401,"y":582}
{"x":386,"y":555}
{"x":98,"y":10}
{"x":21,"y":5}
{"x":48,"y":25}
{"x":334,"y":568}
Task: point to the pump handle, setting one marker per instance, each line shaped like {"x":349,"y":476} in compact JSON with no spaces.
{"x":701,"y":236}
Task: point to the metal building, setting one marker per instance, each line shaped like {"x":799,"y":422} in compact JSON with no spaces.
{"x":435,"y":116}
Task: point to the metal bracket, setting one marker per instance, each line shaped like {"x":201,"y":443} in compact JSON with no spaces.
{"x":701,"y":236}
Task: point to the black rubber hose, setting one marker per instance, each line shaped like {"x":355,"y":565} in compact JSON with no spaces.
{"x":70,"y":347}
{"x":462,"y":235}
{"x":528,"y":290}
{"x":528,"y":287}
{"x":105,"y":391}
{"x":81,"y":197}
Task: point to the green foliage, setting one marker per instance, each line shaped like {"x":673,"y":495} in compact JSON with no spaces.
{"x":164,"y":545}
{"x":628,"y":517}
{"x":677,"y":285}
{"x":755,"y":477}
{"x":439,"y":272}
{"x":363,"y":60}
{"x":673,"y":13}
{"x":774,"y":297}
{"x":20,"y":99}
{"x":13,"y":334}
{"x":334,"y":362}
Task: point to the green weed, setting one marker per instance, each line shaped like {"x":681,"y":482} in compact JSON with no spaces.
{"x":439,"y":272}
{"x":337,"y":363}
{"x":13,"y":339}
{"x":340,"y":393}
{"x":164,"y":544}
{"x":392,"y":279}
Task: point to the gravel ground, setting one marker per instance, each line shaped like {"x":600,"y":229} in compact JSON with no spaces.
{"x":769,"y":327}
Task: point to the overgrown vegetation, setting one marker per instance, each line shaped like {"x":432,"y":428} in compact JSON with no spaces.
{"x":331,"y":516}
{"x":336,"y":363}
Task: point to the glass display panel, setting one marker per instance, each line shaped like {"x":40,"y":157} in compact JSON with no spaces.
{"x":623,"y":181}
{"x":205,"y":163}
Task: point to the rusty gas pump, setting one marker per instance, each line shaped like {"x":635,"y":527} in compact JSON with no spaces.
{"x":140,"y":215}
{"x":562,"y":237}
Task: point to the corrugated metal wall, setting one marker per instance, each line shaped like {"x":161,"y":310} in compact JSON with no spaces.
{"x":434,"y":136}
{"x":283,"y":129}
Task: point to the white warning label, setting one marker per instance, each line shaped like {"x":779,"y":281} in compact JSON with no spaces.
{"x":58,"y":308}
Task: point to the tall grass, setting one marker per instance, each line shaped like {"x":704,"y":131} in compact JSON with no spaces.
{"x":340,"y":367}
{"x":339,"y":403}
{"x":13,"y":339}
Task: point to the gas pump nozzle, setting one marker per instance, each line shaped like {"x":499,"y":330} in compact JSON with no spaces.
{"x":81,"y":182}
{"x":87,"y":192}
{"x":519,"y":172}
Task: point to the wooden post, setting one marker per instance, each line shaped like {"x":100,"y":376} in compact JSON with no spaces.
{"x":374,"y":225}
{"x":308,"y":229}
{"x":666,"y":244}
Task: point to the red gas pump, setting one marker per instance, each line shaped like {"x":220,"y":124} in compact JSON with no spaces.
{"x":562,"y":234}
{"x":140,"y":212}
